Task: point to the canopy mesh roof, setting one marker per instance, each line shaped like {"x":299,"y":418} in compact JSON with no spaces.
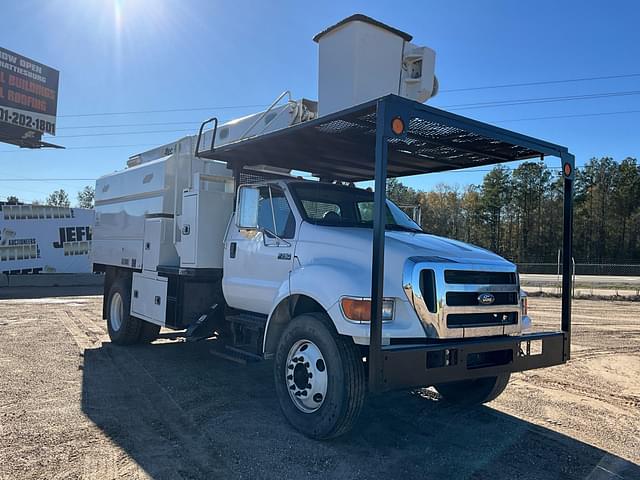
{"x":341,"y":146}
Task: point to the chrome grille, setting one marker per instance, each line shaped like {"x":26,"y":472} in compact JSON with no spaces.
{"x":455,"y":300}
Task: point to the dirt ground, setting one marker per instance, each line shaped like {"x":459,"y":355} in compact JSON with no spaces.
{"x":74,"y":406}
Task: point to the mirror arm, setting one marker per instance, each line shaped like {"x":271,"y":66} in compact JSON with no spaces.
{"x":276,"y":236}
{"x":273,"y":212}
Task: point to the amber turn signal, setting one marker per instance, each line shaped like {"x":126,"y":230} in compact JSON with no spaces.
{"x":397,"y":126}
{"x":359,"y":309}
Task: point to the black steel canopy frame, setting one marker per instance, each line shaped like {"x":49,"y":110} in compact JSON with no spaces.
{"x":392,"y":137}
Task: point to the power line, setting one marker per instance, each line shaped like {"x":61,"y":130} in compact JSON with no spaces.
{"x":186,"y":130}
{"x":546,"y":82}
{"x":577,"y":115}
{"x":126,"y":133}
{"x":89,"y":147}
{"x":456,"y":106}
{"x":141,"y":124}
{"x":172,"y":110}
{"x":464,"y":89}
{"x":528,"y":101}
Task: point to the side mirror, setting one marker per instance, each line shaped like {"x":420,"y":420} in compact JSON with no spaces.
{"x":247,"y":207}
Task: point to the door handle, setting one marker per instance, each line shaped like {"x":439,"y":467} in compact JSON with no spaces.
{"x":232,"y":249}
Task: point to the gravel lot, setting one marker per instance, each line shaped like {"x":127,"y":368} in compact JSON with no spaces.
{"x":74,"y":406}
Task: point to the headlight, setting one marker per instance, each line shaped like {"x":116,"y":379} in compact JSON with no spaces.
{"x":359,"y":309}
{"x":524,"y":312}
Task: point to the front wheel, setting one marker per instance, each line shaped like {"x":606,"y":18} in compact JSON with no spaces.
{"x":319,"y":377}
{"x":473,"y":392}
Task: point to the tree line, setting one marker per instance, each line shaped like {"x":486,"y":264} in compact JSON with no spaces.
{"x":60,"y":198}
{"x":518,"y":213}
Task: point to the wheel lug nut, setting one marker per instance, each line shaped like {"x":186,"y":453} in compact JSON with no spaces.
{"x":310,"y":375}
{"x":303,"y":393}
{"x":308,"y":385}
{"x":289,"y":377}
{"x":306,"y":364}
{"x":290,"y":367}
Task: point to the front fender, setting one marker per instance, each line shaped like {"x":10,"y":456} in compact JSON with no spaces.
{"x":326,"y":283}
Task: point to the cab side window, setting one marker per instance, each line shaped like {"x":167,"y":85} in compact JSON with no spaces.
{"x":285,"y":225}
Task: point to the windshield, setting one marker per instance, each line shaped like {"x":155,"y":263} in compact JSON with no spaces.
{"x":340,"y":206}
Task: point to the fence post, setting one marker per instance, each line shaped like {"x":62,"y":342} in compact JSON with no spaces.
{"x":573,"y":291}
{"x":558,"y":275}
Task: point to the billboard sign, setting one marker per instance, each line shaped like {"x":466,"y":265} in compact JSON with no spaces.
{"x":44,"y":239}
{"x":28,"y":94}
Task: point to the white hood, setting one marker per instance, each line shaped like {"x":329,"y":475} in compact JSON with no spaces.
{"x":349,"y":250}
{"x":358,"y":241}
{"x":431,"y":245}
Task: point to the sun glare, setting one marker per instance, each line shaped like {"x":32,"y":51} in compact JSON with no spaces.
{"x":117,"y":14}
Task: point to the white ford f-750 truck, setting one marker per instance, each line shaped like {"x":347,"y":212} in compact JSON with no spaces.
{"x":216,"y":234}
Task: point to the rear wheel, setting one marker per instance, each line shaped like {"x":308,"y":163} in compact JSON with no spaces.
{"x":319,"y":377}
{"x":123,"y":328}
{"x":473,"y":392}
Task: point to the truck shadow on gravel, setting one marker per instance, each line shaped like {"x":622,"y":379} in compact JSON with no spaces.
{"x":180,"y":412}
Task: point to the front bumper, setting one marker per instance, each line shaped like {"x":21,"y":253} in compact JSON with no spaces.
{"x":405,"y":366}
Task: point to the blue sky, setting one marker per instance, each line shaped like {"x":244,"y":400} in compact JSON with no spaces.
{"x":141,"y":55}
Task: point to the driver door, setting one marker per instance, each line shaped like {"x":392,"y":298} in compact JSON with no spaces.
{"x":258,"y":260}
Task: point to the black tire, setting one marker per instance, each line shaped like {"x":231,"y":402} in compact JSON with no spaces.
{"x":148,"y":332}
{"x":346,"y":384}
{"x":127,"y":330}
{"x":473,"y":392}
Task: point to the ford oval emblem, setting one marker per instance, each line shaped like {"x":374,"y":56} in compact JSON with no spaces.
{"x":486,"y":298}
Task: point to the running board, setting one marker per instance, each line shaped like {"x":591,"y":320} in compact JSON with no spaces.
{"x":236,"y":355}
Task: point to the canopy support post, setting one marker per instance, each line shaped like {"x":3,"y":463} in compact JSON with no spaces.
{"x":375,"y":359}
{"x":568,"y":172}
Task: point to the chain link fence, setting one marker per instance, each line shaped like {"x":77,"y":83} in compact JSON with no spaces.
{"x":613,"y":269}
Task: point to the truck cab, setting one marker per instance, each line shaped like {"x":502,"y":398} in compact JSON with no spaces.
{"x":312,"y":240}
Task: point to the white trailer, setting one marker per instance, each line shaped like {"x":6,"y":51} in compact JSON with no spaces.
{"x":213,"y":235}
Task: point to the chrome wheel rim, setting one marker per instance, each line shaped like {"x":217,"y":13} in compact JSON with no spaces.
{"x":306,"y":376}
{"x":116,"y":310}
